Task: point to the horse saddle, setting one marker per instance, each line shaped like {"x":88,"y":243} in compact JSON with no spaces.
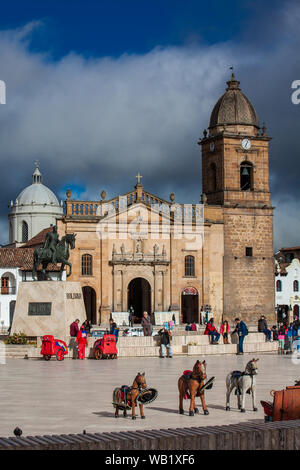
{"x":124,"y":393}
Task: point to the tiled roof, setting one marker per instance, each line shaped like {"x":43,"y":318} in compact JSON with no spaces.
{"x":38,"y":239}
{"x":21,"y":258}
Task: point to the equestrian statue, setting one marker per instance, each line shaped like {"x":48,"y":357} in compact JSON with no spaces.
{"x":53,"y":251}
{"x":243,"y":382}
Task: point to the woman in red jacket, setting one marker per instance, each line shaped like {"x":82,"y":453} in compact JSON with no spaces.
{"x":81,"y":340}
{"x":212,"y":331}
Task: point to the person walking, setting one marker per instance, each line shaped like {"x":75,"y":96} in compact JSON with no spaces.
{"x":165,"y":342}
{"x":146,"y":324}
{"x":82,"y":342}
{"x":242,"y":331}
{"x":224,"y":330}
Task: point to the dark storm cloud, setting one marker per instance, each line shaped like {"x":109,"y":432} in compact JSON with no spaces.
{"x":95,"y":123}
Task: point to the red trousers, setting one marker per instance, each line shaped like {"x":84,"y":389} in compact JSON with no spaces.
{"x":81,"y":349}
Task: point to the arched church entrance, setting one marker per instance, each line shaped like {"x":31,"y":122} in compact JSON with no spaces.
{"x":139,"y":297}
{"x":189,"y":305}
{"x":89,"y":297}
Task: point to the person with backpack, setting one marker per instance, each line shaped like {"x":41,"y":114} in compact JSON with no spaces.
{"x":242,"y":331}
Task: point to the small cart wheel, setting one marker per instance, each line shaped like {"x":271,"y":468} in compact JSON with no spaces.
{"x":60,"y":355}
{"x":47,"y":357}
{"x":98,"y":354}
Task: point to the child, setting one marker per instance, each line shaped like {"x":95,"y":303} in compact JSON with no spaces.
{"x":224,"y":330}
{"x":281,"y":338}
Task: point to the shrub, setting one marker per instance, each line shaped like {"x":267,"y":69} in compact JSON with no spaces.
{"x":17,"y":338}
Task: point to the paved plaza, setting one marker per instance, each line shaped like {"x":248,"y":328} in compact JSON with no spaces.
{"x":67,"y":397}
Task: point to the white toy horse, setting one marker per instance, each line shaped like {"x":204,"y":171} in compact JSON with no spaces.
{"x":243,"y":382}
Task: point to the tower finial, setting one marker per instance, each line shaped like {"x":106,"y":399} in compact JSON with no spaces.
{"x":37,"y":176}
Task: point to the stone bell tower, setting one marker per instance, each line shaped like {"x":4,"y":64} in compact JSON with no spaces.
{"x":235,"y":175}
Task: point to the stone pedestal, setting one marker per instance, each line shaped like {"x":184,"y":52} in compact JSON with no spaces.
{"x":48,"y":308}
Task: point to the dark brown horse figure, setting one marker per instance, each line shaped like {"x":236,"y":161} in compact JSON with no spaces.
{"x":189,"y":385}
{"x":129,"y":400}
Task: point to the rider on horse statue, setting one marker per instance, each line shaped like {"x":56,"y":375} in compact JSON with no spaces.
{"x":51,"y":243}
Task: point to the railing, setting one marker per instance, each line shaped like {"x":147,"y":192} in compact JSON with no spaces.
{"x":8,"y":290}
{"x":100,"y":208}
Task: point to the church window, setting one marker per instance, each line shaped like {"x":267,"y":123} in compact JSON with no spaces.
{"x":249,"y":251}
{"x":246,"y":176}
{"x":24,"y":231}
{"x":87,"y":265}
{"x":278,"y":286}
{"x":296,"y":286}
{"x":213,"y":175}
{"x":189,"y":265}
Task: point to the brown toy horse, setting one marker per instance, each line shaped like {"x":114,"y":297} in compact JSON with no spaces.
{"x":189,"y":385}
{"x":125,"y":397}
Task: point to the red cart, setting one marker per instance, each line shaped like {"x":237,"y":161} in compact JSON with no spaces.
{"x":285,"y":406}
{"x":53,"y":347}
{"x":106,"y":347}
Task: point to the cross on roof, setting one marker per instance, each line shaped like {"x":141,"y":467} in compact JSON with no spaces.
{"x":138,"y":176}
{"x":37,"y":163}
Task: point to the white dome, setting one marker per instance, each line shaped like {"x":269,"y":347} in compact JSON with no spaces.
{"x":37,"y":193}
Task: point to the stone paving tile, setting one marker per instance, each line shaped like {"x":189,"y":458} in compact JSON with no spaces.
{"x":65,"y":398}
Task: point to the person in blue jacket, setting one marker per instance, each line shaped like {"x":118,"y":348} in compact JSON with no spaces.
{"x":242,"y":331}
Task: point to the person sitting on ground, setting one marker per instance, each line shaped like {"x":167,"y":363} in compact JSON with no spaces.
{"x":188,"y":327}
{"x":263,"y":327}
{"x":193,"y":327}
{"x":165,"y":341}
{"x":212,"y":331}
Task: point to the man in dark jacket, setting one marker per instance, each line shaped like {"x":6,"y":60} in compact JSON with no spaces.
{"x":242,"y":331}
{"x":74,"y":328}
{"x":165,"y":341}
{"x":263,"y":327}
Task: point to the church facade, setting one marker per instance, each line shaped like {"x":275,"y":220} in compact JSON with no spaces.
{"x":141,"y":251}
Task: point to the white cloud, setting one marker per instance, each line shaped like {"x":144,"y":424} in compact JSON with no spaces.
{"x":98,"y":121}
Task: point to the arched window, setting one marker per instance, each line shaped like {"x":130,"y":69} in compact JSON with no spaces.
{"x":246,"y":176}
{"x":189,"y":265}
{"x":278,"y":286}
{"x":24,"y":231}
{"x":87,"y":265}
{"x":296,"y":286}
{"x":213,"y":176}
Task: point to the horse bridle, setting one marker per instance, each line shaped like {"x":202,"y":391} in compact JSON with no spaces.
{"x":139,"y":388}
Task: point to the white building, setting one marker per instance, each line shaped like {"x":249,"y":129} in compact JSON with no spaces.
{"x":15,"y":267}
{"x":287,"y":288}
{"x":35,"y":208}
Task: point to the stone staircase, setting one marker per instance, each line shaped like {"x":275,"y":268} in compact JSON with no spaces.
{"x":192,"y":343}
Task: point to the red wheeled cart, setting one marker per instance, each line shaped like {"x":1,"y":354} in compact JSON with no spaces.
{"x":106,"y":347}
{"x":53,"y":347}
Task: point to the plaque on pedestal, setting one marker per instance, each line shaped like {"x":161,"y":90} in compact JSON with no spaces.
{"x":48,"y":308}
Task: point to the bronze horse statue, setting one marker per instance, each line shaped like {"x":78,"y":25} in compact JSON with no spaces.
{"x":43,"y":256}
{"x":125,"y":397}
{"x":190,"y":385}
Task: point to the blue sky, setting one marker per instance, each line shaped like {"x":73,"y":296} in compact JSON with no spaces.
{"x":98,"y":90}
{"x":114,"y":27}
